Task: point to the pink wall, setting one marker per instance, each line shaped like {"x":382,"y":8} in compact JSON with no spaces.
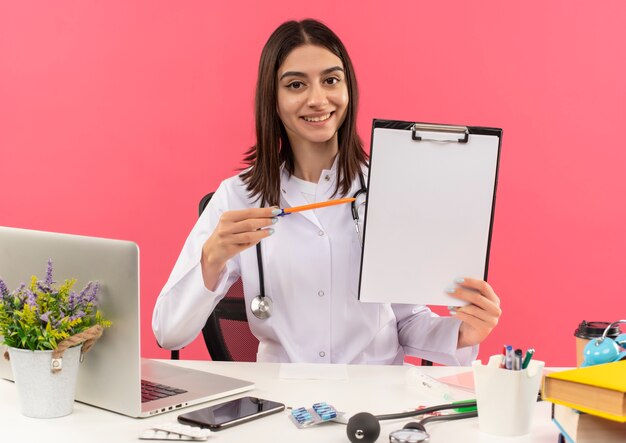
{"x":117,"y":116}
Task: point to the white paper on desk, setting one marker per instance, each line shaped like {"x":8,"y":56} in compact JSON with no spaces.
{"x":313,"y":371}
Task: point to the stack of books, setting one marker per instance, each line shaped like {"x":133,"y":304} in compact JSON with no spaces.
{"x":589,"y":404}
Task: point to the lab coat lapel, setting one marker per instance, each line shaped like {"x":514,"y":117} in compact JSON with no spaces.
{"x":293,"y":197}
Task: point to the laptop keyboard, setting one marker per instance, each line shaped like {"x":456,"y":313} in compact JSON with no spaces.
{"x":154,"y":391}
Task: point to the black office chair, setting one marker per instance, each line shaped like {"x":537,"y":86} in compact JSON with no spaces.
{"x":226,"y":332}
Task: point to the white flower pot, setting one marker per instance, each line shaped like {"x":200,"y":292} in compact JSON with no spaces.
{"x":42,"y":393}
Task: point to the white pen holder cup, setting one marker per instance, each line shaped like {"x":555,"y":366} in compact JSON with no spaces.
{"x":505,"y":398}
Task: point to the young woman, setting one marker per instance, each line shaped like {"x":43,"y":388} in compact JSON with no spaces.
{"x":307,"y":150}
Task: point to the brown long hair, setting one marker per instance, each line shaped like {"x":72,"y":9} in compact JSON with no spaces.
{"x":272,"y":149}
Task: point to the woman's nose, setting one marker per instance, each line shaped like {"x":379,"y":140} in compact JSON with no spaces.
{"x":317,"y":97}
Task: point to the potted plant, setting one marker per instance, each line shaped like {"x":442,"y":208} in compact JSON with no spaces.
{"x":46,"y":329}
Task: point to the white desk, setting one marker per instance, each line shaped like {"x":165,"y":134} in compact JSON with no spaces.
{"x":375,"y":389}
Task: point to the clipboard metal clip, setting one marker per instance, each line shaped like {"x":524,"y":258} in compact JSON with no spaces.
{"x":423,"y":127}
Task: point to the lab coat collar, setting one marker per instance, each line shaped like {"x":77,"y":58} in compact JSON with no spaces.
{"x":292,"y":196}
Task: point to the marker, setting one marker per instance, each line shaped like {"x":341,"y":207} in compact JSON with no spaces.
{"x":508,"y":359}
{"x":339,"y":201}
{"x":527,"y":357}
{"x":503,"y":361}
{"x":517,"y":360}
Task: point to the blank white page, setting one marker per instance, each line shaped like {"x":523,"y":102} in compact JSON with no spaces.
{"x":428,"y":216}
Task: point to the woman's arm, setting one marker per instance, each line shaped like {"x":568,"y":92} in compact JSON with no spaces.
{"x":424,"y":334}
{"x":208,"y":264}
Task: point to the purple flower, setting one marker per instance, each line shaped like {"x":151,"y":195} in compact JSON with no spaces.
{"x":88,"y":294}
{"x":79,"y":314}
{"x":49,"y":273}
{"x":83,"y":294}
{"x":72,"y":300}
{"x":43,"y":287}
{"x":30,"y":298}
{"x":45,"y":317}
{"x":20,"y":295}
{"x":94,"y":292}
{"x":4,"y":291}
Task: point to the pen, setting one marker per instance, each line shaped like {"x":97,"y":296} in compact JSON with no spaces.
{"x":508,"y":359}
{"x":465,"y":406}
{"x":286,"y":211}
{"x":529,"y":354}
{"x":517,"y":360}
{"x":503,"y":361}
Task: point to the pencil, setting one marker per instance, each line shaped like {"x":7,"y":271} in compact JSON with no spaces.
{"x":316,"y":205}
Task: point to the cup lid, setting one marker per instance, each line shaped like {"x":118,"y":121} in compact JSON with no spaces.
{"x":595,"y":329}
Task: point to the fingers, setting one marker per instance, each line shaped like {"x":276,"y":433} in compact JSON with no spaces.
{"x":481,"y":315}
{"x":481,"y":286}
{"x":234,"y":231}
{"x":476,"y":317}
{"x":483,"y":310}
{"x":476,"y":299}
{"x":473,"y":330}
{"x":245,"y":221}
{"x":245,"y":214}
{"x":237,"y":231}
{"x":250,"y":238}
{"x":479,"y":293}
{"x":245,"y":226}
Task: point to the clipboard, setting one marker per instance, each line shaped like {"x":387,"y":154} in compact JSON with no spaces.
{"x":429,"y":210}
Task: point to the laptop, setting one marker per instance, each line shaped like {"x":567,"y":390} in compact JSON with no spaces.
{"x":112,"y":375}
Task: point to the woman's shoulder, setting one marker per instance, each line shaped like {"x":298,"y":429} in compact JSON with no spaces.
{"x":233,"y":182}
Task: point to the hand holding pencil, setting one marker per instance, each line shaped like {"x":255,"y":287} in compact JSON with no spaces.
{"x":236,"y":231}
{"x":241,"y":229}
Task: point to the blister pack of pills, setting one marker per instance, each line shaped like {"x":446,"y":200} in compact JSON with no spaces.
{"x":175,"y":431}
{"x":316,"y":414}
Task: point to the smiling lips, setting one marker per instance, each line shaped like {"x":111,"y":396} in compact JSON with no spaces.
{"x":317,"y":119}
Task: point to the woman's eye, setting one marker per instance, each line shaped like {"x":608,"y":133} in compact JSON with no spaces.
{"x":294,"y":85}
{"x":332,"y":80}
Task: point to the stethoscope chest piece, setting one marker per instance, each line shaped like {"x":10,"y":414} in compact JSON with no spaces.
{"x":261,"y":307}
{"x":408,"y":436}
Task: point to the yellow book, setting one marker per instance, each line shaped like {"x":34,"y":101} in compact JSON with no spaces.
{"x":598,"y":390}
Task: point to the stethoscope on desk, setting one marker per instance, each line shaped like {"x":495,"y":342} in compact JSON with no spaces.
{"x":365,"y":427}
{"x":261,"y":305}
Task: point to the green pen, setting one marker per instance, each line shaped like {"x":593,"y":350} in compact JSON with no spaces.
{"x":529,"y":355}
{"x":471,"y":406}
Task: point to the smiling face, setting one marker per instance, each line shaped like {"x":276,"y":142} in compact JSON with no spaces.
{"x":312,"y":95}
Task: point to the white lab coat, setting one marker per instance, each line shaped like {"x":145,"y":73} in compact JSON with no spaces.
{"x":311,"y":265}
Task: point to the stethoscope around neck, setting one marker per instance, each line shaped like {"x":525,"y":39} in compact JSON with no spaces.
{"x":261,"y":305}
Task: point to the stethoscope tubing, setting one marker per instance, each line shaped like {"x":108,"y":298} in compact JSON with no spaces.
{"x":262,"y":300}
{"x":429,"y":410}
{"x":259,"y":261}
